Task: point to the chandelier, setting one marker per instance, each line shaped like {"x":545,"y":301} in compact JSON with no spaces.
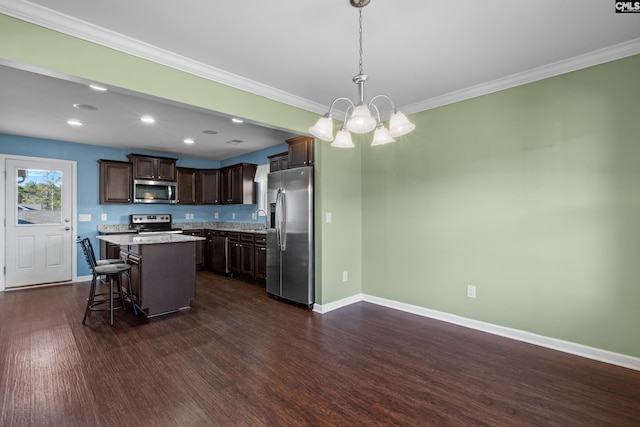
{"x":358,"y":117}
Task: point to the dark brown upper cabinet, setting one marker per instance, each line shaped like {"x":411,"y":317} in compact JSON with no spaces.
{"x":301,"y":151}
{"x":210,"y":187}
{"x":278,"y":162}
{"x":153,"y":168}
{"x":115,"y":182}
{"x":237,"y":185}
{"x":188,"y":186}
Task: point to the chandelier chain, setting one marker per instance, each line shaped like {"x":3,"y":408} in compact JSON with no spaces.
{"x":360,"y":22}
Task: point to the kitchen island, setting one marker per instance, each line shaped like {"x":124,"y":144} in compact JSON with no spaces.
{"x":163,"y":273}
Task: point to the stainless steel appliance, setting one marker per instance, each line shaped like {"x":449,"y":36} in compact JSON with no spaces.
{"x":152,"y":223}
{"x":290,"y":253}
{"x":218,"y":252}
{"x":154,"y":191}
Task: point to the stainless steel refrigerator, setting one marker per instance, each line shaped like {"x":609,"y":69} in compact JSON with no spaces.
{"x":290,"y":251}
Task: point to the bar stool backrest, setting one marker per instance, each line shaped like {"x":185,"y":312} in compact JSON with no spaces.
{"x":87,"y":249}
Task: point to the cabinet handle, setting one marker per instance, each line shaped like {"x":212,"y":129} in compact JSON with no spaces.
{"x":263,"y":249}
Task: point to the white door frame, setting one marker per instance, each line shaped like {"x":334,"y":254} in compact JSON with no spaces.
{"x":3,"y":205}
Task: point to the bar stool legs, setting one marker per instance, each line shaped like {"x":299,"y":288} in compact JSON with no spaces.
{"x":111,"y":298}
{"x":112,"y":272}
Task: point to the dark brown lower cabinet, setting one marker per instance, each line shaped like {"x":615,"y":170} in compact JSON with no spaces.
{"x":201,"y":248}
{"x":260,"y":245}
{"x":163,"y":276}
{"x":134,"y":279}
{"x":234,"y":252}
{"x":246,"y":254}
{"x":109,"y":250}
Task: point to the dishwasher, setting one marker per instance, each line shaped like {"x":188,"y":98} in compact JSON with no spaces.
{"x":219,"y":252}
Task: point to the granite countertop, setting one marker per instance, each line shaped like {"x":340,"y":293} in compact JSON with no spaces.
{"x":243,"y":227}
{"x":147,"y":239}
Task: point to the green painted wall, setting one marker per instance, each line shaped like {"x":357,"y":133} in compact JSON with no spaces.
{"x":339,"y":243}
{"x":532,"y":194}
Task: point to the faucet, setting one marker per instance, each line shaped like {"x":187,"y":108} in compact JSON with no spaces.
{"x":265,"y":216}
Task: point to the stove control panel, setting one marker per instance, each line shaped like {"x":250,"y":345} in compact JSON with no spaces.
{"x":150,"y":219}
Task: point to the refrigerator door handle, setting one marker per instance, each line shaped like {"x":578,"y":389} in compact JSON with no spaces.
{"x":283,"y":221}
{"x":277,"y":219}
{"x":278,"y":225}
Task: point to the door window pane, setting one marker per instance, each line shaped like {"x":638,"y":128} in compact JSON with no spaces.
{"x":39,"y":196}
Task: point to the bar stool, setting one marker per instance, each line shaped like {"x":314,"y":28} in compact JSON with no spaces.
{"x":113,"y":271}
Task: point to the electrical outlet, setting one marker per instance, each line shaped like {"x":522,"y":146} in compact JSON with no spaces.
{"x":103,"y":217}
{"x":191,"y":216}
{"x":233,"y":215}
{"x":471,"y":291}
{"x":328,"y":217}
{"x":216,"y":215}
{"x":186,"y":216}
{"x":254,"y":216}
{"x":84,"y":217}
{"x":345,"y":276}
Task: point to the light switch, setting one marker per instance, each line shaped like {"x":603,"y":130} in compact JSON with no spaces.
{"x":328,"y":217}
{"x":84,"y":217}
{"x":216,"y":215}
{"x":103,"y":217}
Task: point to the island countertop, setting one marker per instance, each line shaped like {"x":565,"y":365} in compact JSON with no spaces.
{"x":147,"y":239}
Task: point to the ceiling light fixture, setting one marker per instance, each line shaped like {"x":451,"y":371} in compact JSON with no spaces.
{"x":361,"y":119}
{"x":189,"y":141}
{"x":74,"y":122}
{"x":147,"y":119}
{"x":235,"y":120}
{"x":98,"y":88}
{"x":85,"y":107}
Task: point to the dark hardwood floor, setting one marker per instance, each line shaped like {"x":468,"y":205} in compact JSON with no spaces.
{"x":240,"y":358}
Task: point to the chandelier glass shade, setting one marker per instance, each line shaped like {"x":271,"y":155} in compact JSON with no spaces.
{"x":361,"y":119}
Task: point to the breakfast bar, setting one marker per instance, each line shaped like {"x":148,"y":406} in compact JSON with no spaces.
{"x":163,"y":273}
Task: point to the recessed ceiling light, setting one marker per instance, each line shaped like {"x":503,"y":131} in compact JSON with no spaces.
{"x":98,"y":88}
{"x":210,"y":132}
{"x":74,"y":122}
{"x":234,"y":142}
{"x":236,"y":120}
{"x":188,"y":141}
{"x":147,"y":119}
{"x":85,"y":107}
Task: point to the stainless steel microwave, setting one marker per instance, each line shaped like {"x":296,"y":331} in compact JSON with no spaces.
{"x":154,"y":191}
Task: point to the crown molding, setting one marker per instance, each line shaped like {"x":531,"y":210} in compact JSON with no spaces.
{"x":601,"y":56}
{"x":44,"y":17}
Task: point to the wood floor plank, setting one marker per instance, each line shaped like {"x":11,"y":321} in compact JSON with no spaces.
{"x":241,"y":358}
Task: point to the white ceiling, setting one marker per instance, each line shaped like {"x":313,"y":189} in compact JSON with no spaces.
{"x":422,"y":53}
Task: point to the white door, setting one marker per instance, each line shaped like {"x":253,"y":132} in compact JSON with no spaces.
{"x":39,"y":232}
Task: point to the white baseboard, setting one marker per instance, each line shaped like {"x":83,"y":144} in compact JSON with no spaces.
{"x":516,"y":334}
{"x":338,"y":304}
{"x":84,"y":278}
